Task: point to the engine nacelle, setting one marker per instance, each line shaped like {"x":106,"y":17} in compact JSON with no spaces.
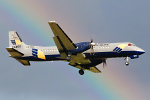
{"x":81,"y":47}
{"x":134,"y":56}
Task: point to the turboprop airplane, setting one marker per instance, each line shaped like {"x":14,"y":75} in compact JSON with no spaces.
{"x":83,"y":55}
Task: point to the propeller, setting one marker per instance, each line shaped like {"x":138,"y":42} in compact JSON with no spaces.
{"x":104,"y":63}
{"x":92,"y":44}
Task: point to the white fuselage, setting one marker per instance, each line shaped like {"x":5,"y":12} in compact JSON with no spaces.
{"x":100,"y":50}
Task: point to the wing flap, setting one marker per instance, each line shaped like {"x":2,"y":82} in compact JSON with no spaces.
{"x":61,"y":49}
{"x":94,"y":70}
{"x":79,"y":59}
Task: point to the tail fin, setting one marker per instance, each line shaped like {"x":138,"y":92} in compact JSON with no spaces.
{"x":15,"y":47}
{"x":14,"y":39}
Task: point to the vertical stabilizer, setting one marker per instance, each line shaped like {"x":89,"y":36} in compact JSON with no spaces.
{"x":14,"y":39}
{"x":16,"y":47}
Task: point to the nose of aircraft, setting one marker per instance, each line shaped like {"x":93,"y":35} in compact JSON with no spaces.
{"x":140,"y":51}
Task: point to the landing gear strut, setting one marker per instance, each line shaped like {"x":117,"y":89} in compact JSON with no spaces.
{"x":68,"y":57}
{"x":127,"y":61}
{"x":81,"y":72}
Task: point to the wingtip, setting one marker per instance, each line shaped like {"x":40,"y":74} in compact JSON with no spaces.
{"x":52,"y":22}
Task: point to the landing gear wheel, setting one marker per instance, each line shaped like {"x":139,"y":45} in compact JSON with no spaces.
{"x":81,"y":72}
{"x":127,"y":64}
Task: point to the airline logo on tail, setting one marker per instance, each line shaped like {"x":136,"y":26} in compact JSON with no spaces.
{"x":16,"y":42}
{"x":120,"y":47}
{"x":13,"y":42}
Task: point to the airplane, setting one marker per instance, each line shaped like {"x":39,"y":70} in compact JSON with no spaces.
{"x":82,"y":55}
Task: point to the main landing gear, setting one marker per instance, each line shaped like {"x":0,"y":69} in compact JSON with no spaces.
{"x":68,"y":57}
{"x":127,"y":61}
{"x":81,"y":72}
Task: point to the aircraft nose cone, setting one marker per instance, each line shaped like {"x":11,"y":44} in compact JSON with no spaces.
{"x":140,"y":51}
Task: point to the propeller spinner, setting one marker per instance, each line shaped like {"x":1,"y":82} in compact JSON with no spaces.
{"x":92,"y":44}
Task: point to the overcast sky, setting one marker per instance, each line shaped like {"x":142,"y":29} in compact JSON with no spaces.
{"x":104,"y":21}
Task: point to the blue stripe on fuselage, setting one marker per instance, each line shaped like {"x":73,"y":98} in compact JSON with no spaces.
{"x":48,"y":58}
{"x":112,"y":54}
{"x":88,"y":55}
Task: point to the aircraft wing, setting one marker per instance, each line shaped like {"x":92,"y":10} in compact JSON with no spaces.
{"x":62,"y":41}
{"x":94,"y":70}
{"x":79,"y":59}
{"x":64,"y":44}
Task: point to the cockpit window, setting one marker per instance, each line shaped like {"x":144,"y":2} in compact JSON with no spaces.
{"x":130,"y":44}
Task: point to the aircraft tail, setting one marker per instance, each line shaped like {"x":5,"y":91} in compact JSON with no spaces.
{"x":14,"y":39}
{"x":16,"y":46}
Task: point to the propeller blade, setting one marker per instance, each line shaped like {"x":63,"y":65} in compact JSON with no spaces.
{"x":92,"y":51}
{"x":91,"y":40}
{"x":104,"y":63}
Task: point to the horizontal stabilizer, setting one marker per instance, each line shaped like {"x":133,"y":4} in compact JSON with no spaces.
{"x":24,"y":62}
{"x":14,"y":53}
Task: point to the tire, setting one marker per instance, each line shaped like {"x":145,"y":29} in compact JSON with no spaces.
{"x":81,"y":72}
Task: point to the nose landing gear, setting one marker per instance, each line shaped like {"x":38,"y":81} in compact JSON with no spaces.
{"x":127,"y":64}
{"x":127,"y":61}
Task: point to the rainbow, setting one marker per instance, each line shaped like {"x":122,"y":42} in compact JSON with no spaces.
{"x":29,"y":20}
{"x":110,"y":85}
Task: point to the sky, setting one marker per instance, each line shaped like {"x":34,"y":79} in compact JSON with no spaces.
{"x":105,"y":21}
